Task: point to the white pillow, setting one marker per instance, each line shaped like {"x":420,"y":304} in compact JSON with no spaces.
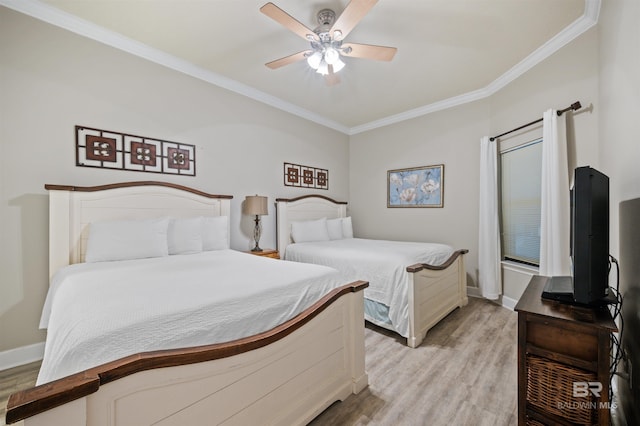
{"x":334,"y":226}
{"x":215,"y":234}
{"x":309,"y":230}
{"x":127,"y":239}
{"x":347,"y":227}
{"x":185,"y":236}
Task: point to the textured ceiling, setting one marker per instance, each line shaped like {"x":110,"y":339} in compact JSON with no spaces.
{"x":448,"y":50}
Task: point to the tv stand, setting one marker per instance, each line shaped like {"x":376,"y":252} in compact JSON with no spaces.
{"x":563,"y":360}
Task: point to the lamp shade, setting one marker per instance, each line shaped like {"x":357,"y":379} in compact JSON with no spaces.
{"x":323,"y":68}
{"x":314,"y":60}
{"x":256,"y":205}
{"x":338,"y":65}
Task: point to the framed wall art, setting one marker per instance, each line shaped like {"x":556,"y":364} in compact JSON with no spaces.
{"x":305,"y":176}
{"x":119,"y":151}
{"x":416,"y":187}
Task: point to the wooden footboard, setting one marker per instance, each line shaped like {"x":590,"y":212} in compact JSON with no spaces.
{"x":435,"y":291}
{"x":286,"y":376}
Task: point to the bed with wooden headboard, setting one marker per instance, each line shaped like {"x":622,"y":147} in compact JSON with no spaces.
{"x":285,"y":375}
{"x":434,"y":290}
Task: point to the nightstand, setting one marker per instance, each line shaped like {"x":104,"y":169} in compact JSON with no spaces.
{"x":266,"y":253}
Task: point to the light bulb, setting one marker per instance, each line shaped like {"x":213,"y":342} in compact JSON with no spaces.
{"x":314,"y":60}
{"x":323,"y":68}
{"x":331,"y":55}
{"x":338,"y":65}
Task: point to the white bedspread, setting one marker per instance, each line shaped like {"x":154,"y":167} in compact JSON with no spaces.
{"x":100,"y":312}
{"x":382,"y":263}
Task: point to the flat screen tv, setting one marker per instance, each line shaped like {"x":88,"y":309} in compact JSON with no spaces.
{"x":589,"y":243}
{"x":590,"y":236}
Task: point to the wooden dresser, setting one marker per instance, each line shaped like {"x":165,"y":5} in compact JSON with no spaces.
{"x":266,"y":253}
{"x":563,"y":361}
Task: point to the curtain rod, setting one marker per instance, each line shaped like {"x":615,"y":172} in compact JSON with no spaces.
{"x":574,"y":106}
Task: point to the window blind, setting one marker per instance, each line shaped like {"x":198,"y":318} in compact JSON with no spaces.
{"x":521,"y":173}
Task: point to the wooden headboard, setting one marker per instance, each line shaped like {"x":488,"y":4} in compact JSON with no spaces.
{"x":72,"y":208}
{"x":307,"y":207}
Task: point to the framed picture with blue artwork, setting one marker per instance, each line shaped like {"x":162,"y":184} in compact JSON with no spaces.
{"x":416,"y":187}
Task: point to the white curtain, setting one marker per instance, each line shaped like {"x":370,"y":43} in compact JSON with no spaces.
{"x":489,"y":237}
{"x":555,"y":218}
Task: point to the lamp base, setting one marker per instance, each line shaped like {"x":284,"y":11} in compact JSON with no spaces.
{"x":256,"y":234}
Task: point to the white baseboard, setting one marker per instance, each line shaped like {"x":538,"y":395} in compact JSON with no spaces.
{"x":505,"y":301}
{"x":474,"y":292}
{"x":508,"y":302}
{"x":21,"y":356}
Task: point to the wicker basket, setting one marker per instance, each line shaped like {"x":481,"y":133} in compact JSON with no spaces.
{"x":534,"y":422}
{"x":550,"y":389}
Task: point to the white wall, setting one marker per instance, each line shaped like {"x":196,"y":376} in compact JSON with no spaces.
{"x":619,"y":78}
{"x":619,"y":134}
{"x":52,"y":80}
{"x":450,"y":137}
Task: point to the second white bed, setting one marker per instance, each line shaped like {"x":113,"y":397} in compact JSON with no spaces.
{"x":412,"y":285}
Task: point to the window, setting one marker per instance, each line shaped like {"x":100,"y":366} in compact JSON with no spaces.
{"x":521,"y":177}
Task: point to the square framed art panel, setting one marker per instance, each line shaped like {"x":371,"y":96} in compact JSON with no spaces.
{"x":305,"y":176}
{"x":416,"y":187}
{"x":119,"y":151}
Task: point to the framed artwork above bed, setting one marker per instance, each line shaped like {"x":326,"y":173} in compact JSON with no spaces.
{"x":305,"y":176}
{"x":107,"y":149}
{"x":416,"y":187}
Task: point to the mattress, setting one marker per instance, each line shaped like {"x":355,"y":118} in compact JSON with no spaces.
{"x":383,"y":263}
{"x":100,"y":312}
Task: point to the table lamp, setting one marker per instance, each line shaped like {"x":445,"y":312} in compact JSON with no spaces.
{"x":256,"y":205}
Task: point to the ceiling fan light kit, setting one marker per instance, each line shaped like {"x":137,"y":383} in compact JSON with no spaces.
{"x":326,"y":40}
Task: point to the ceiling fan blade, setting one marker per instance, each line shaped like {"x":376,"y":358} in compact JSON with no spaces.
{"x":332,"y":78}
{"x":287,"y":60}
{"x":287,"y":21}
{"x":351,"y":15}
{"x":370,"y":51}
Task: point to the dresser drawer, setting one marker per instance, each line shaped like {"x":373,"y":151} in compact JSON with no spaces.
{"x":561,"y":340}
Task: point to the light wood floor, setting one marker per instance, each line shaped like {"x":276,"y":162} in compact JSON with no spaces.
{"x":13,"y":380}
{"x":464,"y":373}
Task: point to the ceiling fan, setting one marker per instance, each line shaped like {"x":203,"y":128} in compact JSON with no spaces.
{"x":327,"y":40}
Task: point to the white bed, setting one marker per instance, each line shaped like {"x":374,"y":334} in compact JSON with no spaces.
{"x":122,"y":350}
{"x":412,"y":286}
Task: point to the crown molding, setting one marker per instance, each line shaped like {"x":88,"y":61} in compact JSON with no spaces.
{"x":59,"y":18}
{"x":67,"y":21}
{"x":420,"y":111}
{"x":569,"y":33}
{"x":564,"y":37}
